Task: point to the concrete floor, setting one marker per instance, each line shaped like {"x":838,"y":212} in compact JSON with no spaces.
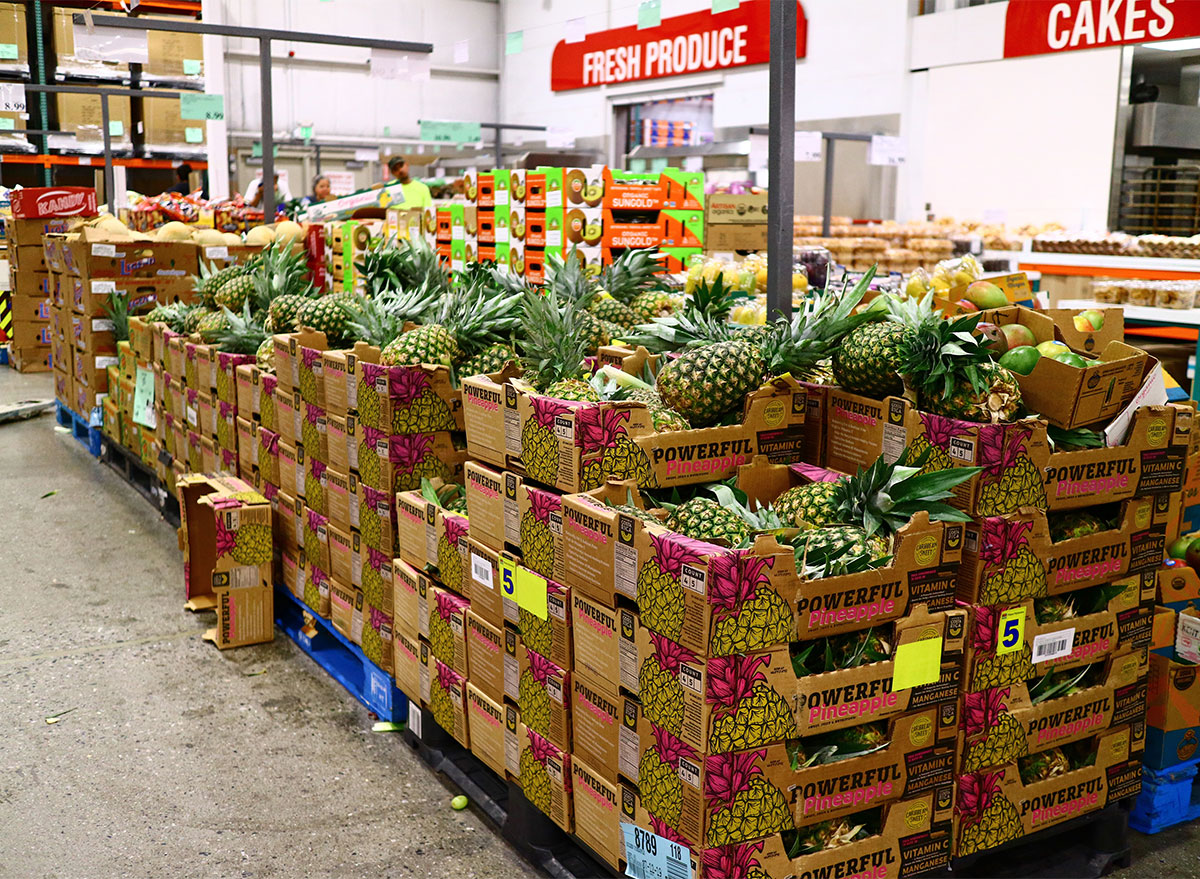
{"x":177,"y":759}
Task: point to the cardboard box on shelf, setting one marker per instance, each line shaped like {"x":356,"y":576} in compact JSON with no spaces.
{"x":164,"y":126}
{"x":447,"y":625}
{"x":597,"y":812}
{"x":81,"y":114}
{"x":604,"y":641}
{"x":13,"y":35}
{"x":735,"y":236}
{"x":488,"y":503}
{"x":174,"y":56}
{"x":406,"y":664}
{"x":604,"y":727}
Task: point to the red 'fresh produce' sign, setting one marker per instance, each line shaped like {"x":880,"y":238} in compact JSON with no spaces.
{"x":1039,"y":27}
{"x":691,"y":43}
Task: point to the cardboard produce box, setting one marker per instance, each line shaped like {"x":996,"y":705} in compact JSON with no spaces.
{"x":604,"y":727}
{"x":377,"y":519}
{"x":541,"y":530}
{"x":96,"y":254}
{"x":492,"y":499}
{"x":164,"y":128}
{"x":744,"y":209}
{"x":404,"y":399}
{"x":406,"y":664}
{"x":552,"y":441}
{"x":174,"y":56}
{"x":395,"y":463}
{"x":493,"y":596}
{"x":13,"y":37}
{"x":1001,"y":725}
{"x":597,"y":812}
{"x":735,"y":236}
{"x":228,"y":549}
{"x":82,"y":114}
{"x":1173,"y":708}
{"x":686,"y":694}
{"x":485,"y":720}
{"x":485,"y":656}
{"x":410,"y":588}
{"x":1007,"y":559}
{"x":444,"y":693}
{"x":605,"y":642}
{"x":452,"y":561}
{"x":993,"y":808}
{"x":545,"y":777}
{"x":544,"y":696}
{"x":447,"y":626}
{"x":917,"y":758}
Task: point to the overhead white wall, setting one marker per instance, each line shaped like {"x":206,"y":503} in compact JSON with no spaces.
{"x":331,"y":87}
{"x":856,"y":66}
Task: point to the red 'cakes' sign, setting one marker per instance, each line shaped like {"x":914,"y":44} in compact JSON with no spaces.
{"x":53,"y":201}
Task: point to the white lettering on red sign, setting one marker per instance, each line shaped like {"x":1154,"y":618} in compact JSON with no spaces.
{"x":1035,"y":27}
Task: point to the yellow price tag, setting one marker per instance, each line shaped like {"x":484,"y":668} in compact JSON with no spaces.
{"x":508,"y":579}
{"x":917,"y":663}
{"x":1010,"y":635}
{"x":531,"y":593}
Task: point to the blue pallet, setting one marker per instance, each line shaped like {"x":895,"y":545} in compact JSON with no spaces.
{"x":3,"y":355}
{"x":1168,"y":797}
{"x":341,"y":658}
{"x":79,"y":427}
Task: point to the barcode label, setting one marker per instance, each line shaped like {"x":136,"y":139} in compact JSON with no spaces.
{"x":481,"y":570}
{"x":650,"y":856}
{"x":414,"y":718}
{"x":104,"y":249}
{"x":216,"y":252}
{"x":1053,"y":645}
{"x":104,"y":287}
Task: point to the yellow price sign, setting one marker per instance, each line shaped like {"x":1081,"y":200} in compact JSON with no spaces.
{"x":531,"y":592}
{"x":1010,"y":634}
{"x":508,"y":579}
{"x":917,"y":663}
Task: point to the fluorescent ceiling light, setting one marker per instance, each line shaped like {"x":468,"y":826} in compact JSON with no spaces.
{"x":1174,"y":45}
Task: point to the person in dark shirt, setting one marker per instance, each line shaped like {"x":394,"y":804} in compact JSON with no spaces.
{"x":182,"y":187}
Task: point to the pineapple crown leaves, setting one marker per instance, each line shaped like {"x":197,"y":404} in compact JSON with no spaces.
{"x":116,"y":306}
{"x":280,"y":271}
{"x":735,"y":579}
{"x":541,"y":748}
{"x":938,"y":356}
{"x":763,"y":519}
{"x":391,"y":265}
{"x":727,"y":775}
{"x":409,"y":450}
{"x":1057,"y":683}
{"x":1001,"y":539}
{"x":983,"y":633}
{"x":669,"y":747}
{"x":982,"y":710}
{"x":633,"y":272}
{"x":884,"y":497}
{"x":448,"y":679}
{"x":478,"y":315}
{"x":670,"y":654}
{"x":449,"y":604}
{"x":815,"y":328}
{"x":380,"y":319}
{"x":241,"y":333}
{"x":554,"y":345}
{"x":732,"y":678}
{"x":673,"y":551}
{"x":567,"y":278}
{"x":541,"y":668}
{"x":976,"y":791}
{"x":226,"y":539}
{"x":1075,"y":439}
{"x":407,"y":383}
{"x":731,"y":861}
{"x":666,"y":831}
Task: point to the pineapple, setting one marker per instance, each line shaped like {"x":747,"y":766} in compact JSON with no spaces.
{"x":1043,"y":765}
{"x":282,"y":312}
{"x":1003,"y":740}
{"x":868,"y":361}
{"x":330,"y":315}
{"x":213,"y":323}
{"x":278,"y":271}
{"x":664,"y":418}
{"x":747,"y":614}
{"x":535,"y":779}
{"x":450,"y":544}
{"x":264,"y":355}
{"x":658,"y":684}
{"x":537,"y":540}
{"x":1012,"y":572}
{"x":1068,"y":526}
{"x":632,"y":274}
{"x":488,"y":361}
{"x":747,"y":711}
{"x":812,"y":504}
{"x":825,"y":835}
{"x":702,"y":518}
{"x":240,"y":334}
{"x":1053,"y":610}
{"x":193,"y":318}
{"x":745,"y":805}
{"x":986,"y":817}
{"x":235,"y":292}
{"x":659,"y":592}
{"x":658,"y":775}
{"x":250,"y":544}
{"x":533,"y":699}
{"x":990,"y":670}
{"x":652,"y":304}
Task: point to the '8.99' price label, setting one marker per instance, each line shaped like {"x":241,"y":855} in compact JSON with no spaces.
{"x":650,"y":856}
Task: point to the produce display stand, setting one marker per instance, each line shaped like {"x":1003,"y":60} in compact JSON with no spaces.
{"x":1145,"y":316}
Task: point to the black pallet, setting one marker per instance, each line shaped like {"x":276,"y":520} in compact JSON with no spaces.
{"x":502,"y":803}
{"x":145,"y":481}
{"x":1087,"y":847}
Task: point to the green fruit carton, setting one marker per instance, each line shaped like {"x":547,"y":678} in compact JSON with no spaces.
{"x":994,"y":807}
{"x":742,"y":701}
{"x":1007,"y":559}
{"x":544,"y":696}
{"x":1003,"y":724}
{"x":573,"y":446}
{"x":444,"y":693}
{"x":1019,"y":642}
{"x":904,"y":840}
{"x":225,"y":533}
{"x":1068,"y":395}
{"x":724,"y":799}
{"x":544,"y":775}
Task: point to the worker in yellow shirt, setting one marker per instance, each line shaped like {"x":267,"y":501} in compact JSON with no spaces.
{"x":416,"y":193}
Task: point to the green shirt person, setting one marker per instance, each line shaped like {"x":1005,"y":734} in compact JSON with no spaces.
{"x":416,"y":193}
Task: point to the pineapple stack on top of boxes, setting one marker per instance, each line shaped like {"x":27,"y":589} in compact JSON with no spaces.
{"x":1074,"y":492}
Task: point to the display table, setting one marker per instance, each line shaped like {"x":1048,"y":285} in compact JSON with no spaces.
{"x":1146,"y":316}
{"x":1099,"y":265}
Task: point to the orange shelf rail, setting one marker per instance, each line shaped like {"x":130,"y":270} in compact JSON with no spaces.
{"x":95,"y":161}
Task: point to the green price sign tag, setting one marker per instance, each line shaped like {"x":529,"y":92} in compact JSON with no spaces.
{"x":306,"y":132}
{"x":200,"y":106}
{"x":724,"y":5}
{"x":8,"y":51}
{"x":451,"y":132}
{"x":116,"y":127}
{"x":649,"y":14}
{"x":191,"y":67}
{"x":143,"y":398}
{"x":7,"y":124}
{"x":256,"y":150}
{"x":514,"y":42}
{"x":1010,"y":635}
{"x":193,"y":135}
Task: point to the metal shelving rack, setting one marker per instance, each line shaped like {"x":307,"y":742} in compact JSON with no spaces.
{"x":1160,"y":200}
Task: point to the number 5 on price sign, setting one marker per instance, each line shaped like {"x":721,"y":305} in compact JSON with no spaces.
{"x":1010,"y":635}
